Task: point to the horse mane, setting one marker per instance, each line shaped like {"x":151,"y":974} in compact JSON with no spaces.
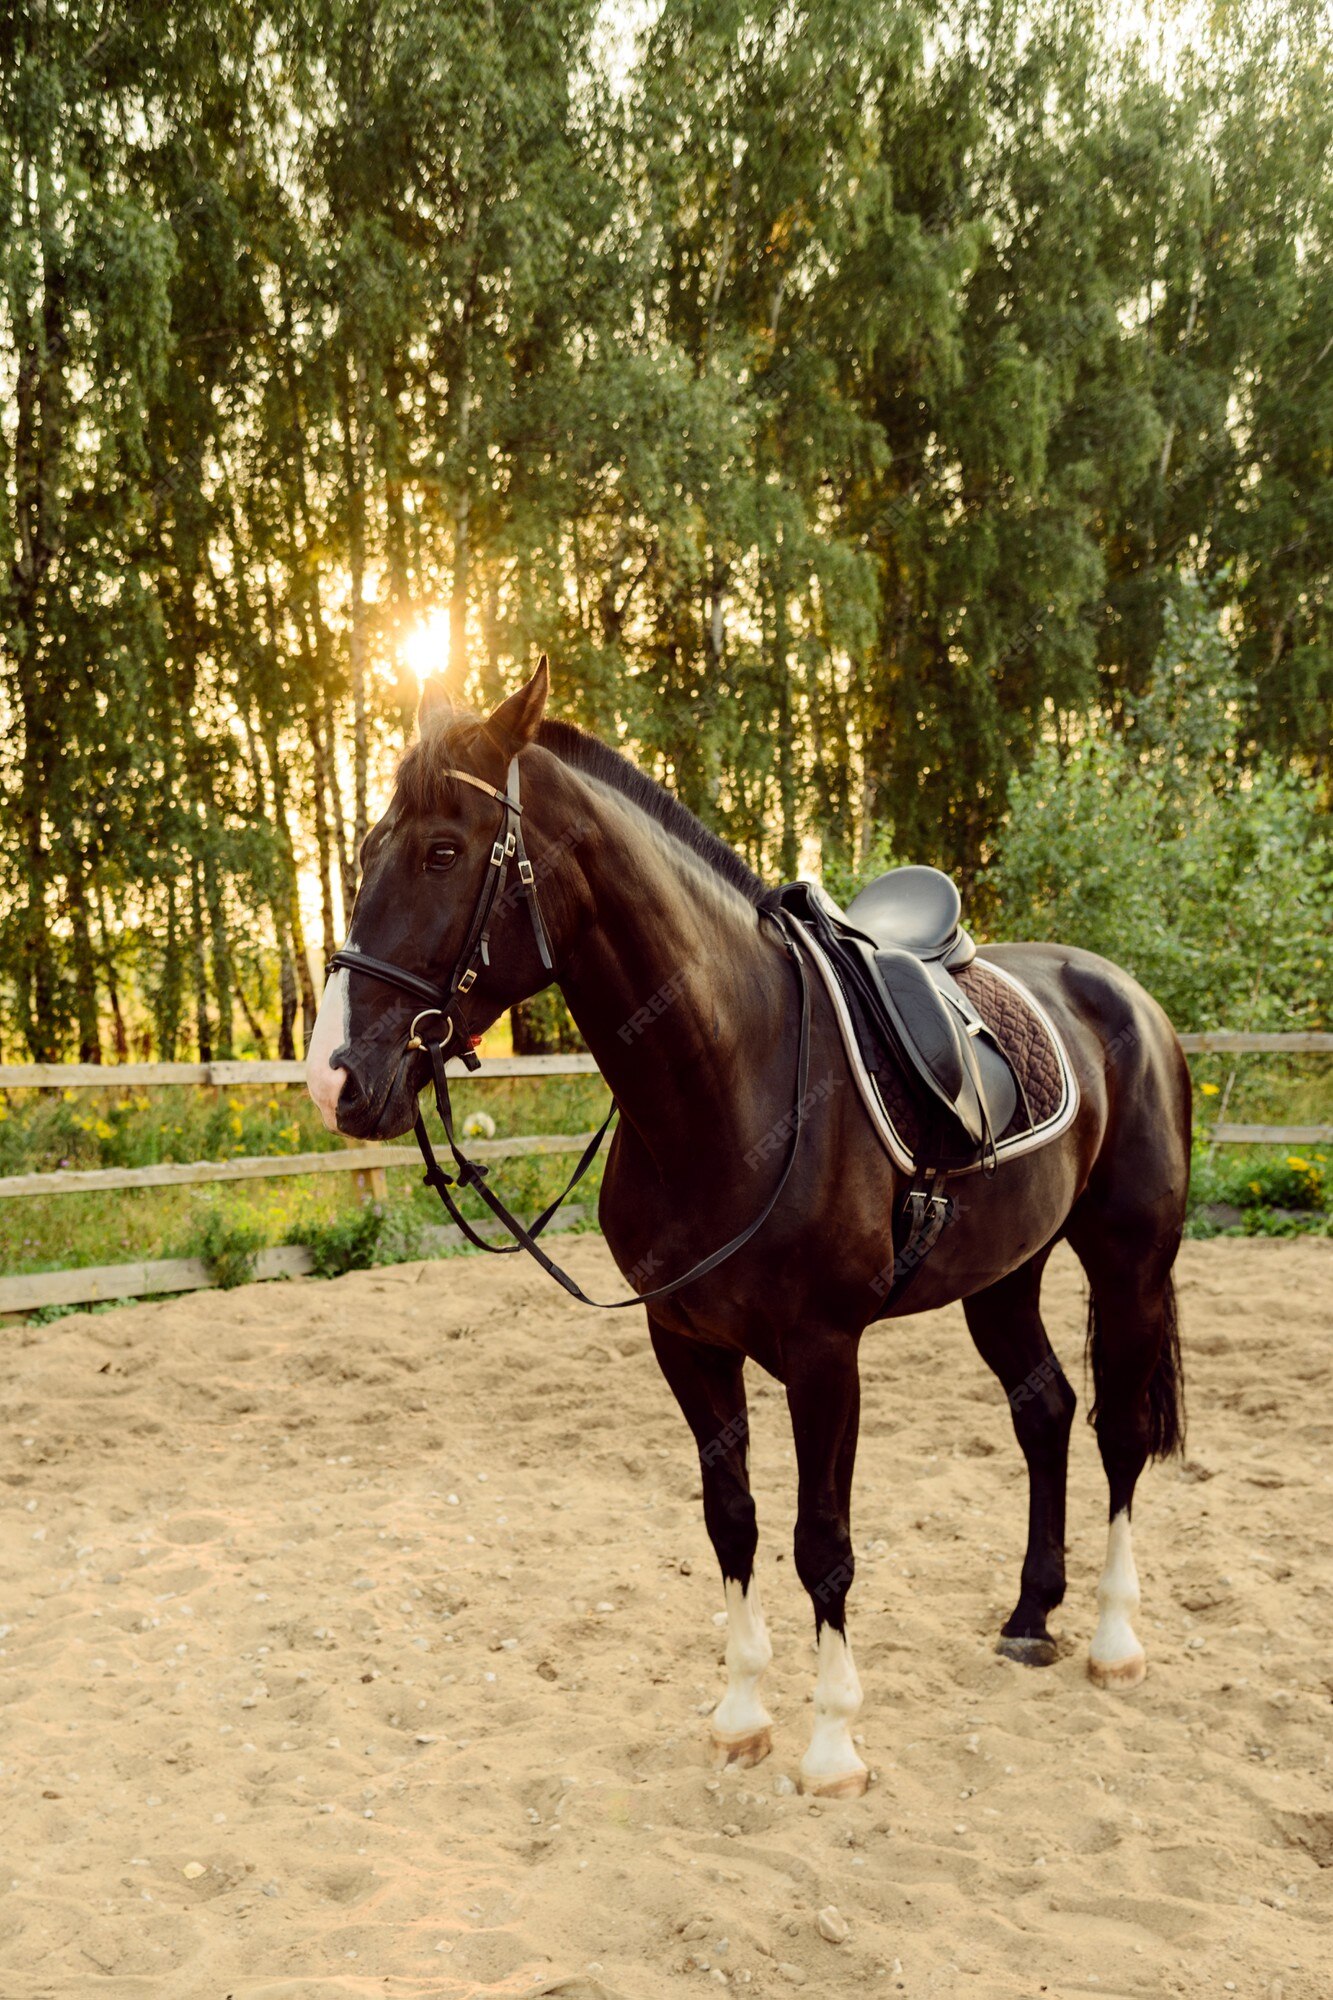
{"x":422,"y":786}
{"x":582,"y":752}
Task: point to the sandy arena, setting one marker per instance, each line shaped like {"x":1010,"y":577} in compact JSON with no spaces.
{"x":358,"y":1639}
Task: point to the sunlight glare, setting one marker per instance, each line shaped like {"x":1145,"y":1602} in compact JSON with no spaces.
{"x":426,"y":646}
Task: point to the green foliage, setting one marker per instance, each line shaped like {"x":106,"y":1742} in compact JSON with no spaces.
{"x":1291,"y":1181}
{"x":542,"y":1026}
{"x":842,"y":877}
{"x":351,"y":1242}
{"x":1157,"y":845}
{"x":228,"y":1247}
{"x":841,"y":391}
{"x":102,"y":1127}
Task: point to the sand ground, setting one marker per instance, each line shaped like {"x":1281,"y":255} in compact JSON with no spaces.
{"x":356,"y":1636}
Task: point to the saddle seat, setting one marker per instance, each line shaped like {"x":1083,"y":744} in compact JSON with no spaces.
{"x":894,"y":950}
{"x":917,"y":909}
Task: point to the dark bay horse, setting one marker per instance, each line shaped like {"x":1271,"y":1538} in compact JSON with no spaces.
{"x":689,"y":1003}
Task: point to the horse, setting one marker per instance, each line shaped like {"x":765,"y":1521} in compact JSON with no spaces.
{"x":656,"y":934}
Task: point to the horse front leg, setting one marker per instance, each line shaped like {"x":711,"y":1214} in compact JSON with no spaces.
{"x":824,"y":1397}
{"x":709,"y":1385}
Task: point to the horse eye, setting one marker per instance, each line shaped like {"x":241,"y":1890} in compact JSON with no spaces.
{"x":440,"y":857}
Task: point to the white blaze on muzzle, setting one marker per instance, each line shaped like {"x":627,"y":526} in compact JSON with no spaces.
{"x":332,"y":1028}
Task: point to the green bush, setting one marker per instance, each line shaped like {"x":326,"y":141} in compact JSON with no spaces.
{"x":1295,"y":1182}
{"x":229,"y":1249}
{"x":352,"y":1242}
{"x":1163,"y":845}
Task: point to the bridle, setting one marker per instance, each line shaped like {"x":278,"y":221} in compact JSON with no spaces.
{"x":476,"y":949}
{"x":444,"y":1001}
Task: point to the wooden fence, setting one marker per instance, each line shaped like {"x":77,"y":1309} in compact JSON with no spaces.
{"x":22,"y":1294}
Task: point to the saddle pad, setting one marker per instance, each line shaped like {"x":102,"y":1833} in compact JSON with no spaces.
{"x":1048,"y":1088}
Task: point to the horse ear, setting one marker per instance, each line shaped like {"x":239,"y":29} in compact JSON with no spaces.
{"x":515,"y":721}
{"x":435,"y":703}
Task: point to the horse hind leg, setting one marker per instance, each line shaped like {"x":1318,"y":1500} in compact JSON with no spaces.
{"x":1138,"y":1414}
{"x":1006,"y":1327}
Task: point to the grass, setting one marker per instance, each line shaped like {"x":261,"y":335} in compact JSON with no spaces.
{"x":102,"y":1128}
{"x":41,"y":1130}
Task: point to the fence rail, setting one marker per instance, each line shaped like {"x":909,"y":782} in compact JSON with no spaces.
{"x":1239,"y":1041}
{"x":179,"y":1274}
{"x":1271,"y":1135}
{"x":126,"y":1076}
{"x":97,"y":1282}
{"x":273,"y":1166}
{"x":230,"y":1075}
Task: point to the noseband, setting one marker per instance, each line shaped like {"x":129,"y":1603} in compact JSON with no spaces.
{"x":444,"y":1002}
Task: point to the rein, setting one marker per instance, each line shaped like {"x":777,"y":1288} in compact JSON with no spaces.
{"x":444,"y":1002}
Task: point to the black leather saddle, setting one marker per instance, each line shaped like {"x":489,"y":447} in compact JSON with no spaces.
{"x":895,"y":950}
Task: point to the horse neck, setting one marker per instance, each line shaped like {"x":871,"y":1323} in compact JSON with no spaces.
{"x":679,"y":989}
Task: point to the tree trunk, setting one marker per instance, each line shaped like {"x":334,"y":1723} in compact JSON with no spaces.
{"x":287,"y":992}
{"x":221,"y":951}
{"x":309,"y":998}
{"x":542,"y":1026}
{"x":462,"y":543}
{"x":789,"y":847}
{"x":354,"y":461}
{"x":85,"y":963}
{"x":203,"y":1027}
{"x":39,"y":428}
{"x":121,"y":1039}
{"x":322,"y":835}
{"x":169,"y":989}
{"x":257,"y":1034}
{"x":338,"y":828}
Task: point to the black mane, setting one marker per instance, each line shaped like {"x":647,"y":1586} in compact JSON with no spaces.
{"x":598,"y":760}
{"x":422,"y":786}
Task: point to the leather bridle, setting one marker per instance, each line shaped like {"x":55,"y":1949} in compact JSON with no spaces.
{"x":444,"y":1002}
{"x":476,"y":949}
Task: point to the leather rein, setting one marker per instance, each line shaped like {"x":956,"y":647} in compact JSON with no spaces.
{"x":444,"y":1003}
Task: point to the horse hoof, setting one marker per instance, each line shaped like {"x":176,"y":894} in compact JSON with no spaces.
{"x":1118,"y":1674}
{"x":742,"y":1750}
{"x":851,"y":1785}
{"x":1029,"y":1652}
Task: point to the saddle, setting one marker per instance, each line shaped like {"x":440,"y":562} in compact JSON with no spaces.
{"x":894,"y":951}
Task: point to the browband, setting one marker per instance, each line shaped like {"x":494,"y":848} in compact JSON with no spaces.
{"x":481,"y":785}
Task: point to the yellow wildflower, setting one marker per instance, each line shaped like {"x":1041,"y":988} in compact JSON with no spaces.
{"x":1208,"y":1089}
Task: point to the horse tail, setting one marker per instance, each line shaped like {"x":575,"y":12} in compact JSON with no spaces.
{"x":1164,"y":1427}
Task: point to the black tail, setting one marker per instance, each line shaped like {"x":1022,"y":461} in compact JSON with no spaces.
{"x":1166,"y":1384}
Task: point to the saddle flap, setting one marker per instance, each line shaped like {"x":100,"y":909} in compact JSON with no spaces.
{"x":922,"y":1020}
{"x":911,"y":1011}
